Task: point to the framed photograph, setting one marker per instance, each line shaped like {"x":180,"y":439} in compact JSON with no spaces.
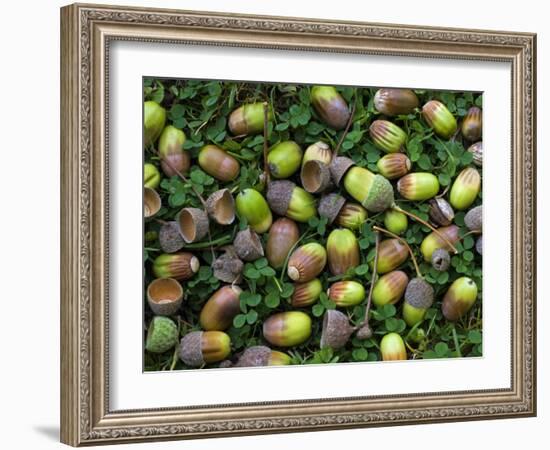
{"x":277,"y":225}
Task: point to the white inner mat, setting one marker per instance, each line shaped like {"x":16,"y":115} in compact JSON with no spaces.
{"x":130,"y":388}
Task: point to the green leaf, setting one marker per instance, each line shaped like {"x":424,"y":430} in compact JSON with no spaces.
{"x":318,"y":310}
{"x":288,"y":290}
{"x":388,"y":311}
{"x":239,"y":320}
{"x":261,"y":263}
{"x":360,"y":354}
{"x":272,"y":300}
{"x":468,"y":256}
{"x":424,"y":162}
{"x":474,"y":336}
{"x":251,"y":317}
{"x":252,"y":273}
{"x":391,"y":324}
{"x":441,"y":349}
{"x":268,"y":272}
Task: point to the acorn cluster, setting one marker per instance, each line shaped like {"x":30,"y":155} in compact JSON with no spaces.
{"x":264,"y":247}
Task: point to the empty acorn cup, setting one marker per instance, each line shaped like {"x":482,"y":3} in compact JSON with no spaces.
{"x":336,"y":330}
{"x":170,"y":239}
{"x":315,"y":176}
{"x":151,"y":202}
{"x":220,"y":206}
{"x":193,"y":224}
{"x":164,"y":296}
{"x":248,"y":245}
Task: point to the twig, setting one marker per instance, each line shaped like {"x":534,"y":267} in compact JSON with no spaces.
{"x":405,"y":243}
{"x":348,"y":125}
{"x":374,"y":276}
{"x":266,"y":120}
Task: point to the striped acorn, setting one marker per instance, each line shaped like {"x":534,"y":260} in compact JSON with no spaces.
{"x":342,"y":251}
{"x":471,"y":124}
{"x":395,"y":102}
{"x":391,"y":254}
{"x":419,"y":296}
{"x":331,"y":106}
{"x":418,"y":186}
{"x":373,"y":191}
{"x":151,"y":202}
{"x":284,"y":159}
{"x":154,"y":118}
{"x":459,"y":299}
{"x":389,"y":288}
{"x":220,"y":309}
{"x":477,"y":151}
{"x":395,"y":221}
{"x":306,"y":262}
{"x":193,"y":224}
{"x":433,"y":241}
{"x":287,"y":199}
{"x":248,"y":119}
{"x":465,"y":188}
{"x":283,"y":235}
{"x":346,"y":293}
{"x":394,"y":165}
{"x":174,"y":158}
{"x":352,"y":216}
{"x":392,"y":348}
{"x":287,"y":329}
{"x":252,"y":206}
{"x":164,"y":296}
{"x":307,"y":293}
{"x":151,"y":176}
{"x":439,"y":118}
{"x":162,"y":335}
{"x":180,"y":266}
{"x":319,"y":151}
{"x":387,"y":136}
{"x":204,"y":347}
{"x":218,"y":163}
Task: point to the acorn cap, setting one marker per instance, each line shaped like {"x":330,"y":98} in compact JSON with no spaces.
{"x":190,"y":351}
{"x":279,"y":194}
{"x":330,"y":206}
{"x":338,"y":168}
{"x":474,"y":218}
{"x":151,"y":202}
{"x":441,"y":259}
{"x":248,"y":245}
{"x":220,"y":205}
{"x":162,"y":335}
{"x":336,"y":330}
{"x":193,"y":224}
{"x":228,"y":267}
{"x":164,"y":296}
{"x":255,"y":356}
{"x":380,"y":196}
{"x":419,"y":293}
{"x":315,"y":176}
{"x":479,"y":245}
{"x":365,"y":332}
{"x":170,"y":238}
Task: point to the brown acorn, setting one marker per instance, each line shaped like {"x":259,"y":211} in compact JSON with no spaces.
{"x":439,"y":118}
{"x":180,"y":266}
{"x":331,"y":106}
{"x":389,"y":288}
{"x":204,"y":347}
{"x":283,"y":235}
{"x":336,"y":330}
{"x":434,"y":241}
{"x":387,"y":136}
{"x":228,"y":267}
{"x":394,"y":165}
{"x":471,"y":124}
{"x":342,"y":251}
{"x":330,"y":206}
{"x":193,"y":224}
{"x":477,"y":151}
{"x":248,"y":119}
{"x":164,"y":296}
{"x":220,"y":309}
{"x":218,"y":163}
{"x":306,"y":262}
{"x":352,"y":216}
{"x":441,"y":212}
{"x":248,"y":245}
{"x":391,"y":254}
{"x":174,"y":159}
{"x":170,"y":238}
{"x":307,"y":293}
{"x":220,"y":206}
{"x":394,"y":102}
{"x":151,"y":202}
{"x":315,"y":176}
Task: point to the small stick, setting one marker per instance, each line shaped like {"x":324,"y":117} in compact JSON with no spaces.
{"x":348,"y":125}
{"x":405,"y":243}
{"x":266,"y":119}
{"x":364,"y":331}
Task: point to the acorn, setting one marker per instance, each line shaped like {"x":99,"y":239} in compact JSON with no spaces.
{"x":389,"y":288}
{"x":441,"y":260}
{"x":418,"y":186}
{"x":260,"y":355}
{"x":151,"y":176}
{"x":441,"y":212}
{"x":220,"y":206}
{"x":151,"y":202}
{"x":204,"y":347}
{"x":162,"y":335}
{"x":164,"y":296}
{"x":287,"y":199}
{"x":180,"y":266}
{"x":307,"y":293}
{"x":220,"y":309}
{"x":479,"y":245}
{"x":228,"y":267}
{"x":170,"y":238}
{"x":346,"y":293}
{"x":342,"y":251}
{"x":433,"y":241}
{"x":394,"y":165}
{"x":477,"y":151}
{"x":352,"y":216}
{"x":279,"y":359}
{"x":471,"y":124}
{"x":395,"y":102}
{"x":465,"y":188}
{"x":387,"y":136}
{"x":218,"y":163}
{"x":338,"y":168}
{"x":474,"y":218}
{"x":284,"y":159}
{"x":331,"y":106}
{"x":395,"y":221}
{"x":174,"y":158}
{"x":154,"y":118}
{"x":391,"y":254}
{"x":319,"y":151}
{"x":282,"y":237}
{"x":193,"y":224}
{"x":248,"y":119}
{"x":330,"y":206}
{"x":287,"y":329}
{"x":315,"y":176}
{"x":419,"y":296}
{"x":306,"y":262}
{"x":373,"y":191}
{"x":439,"y":118}
{"x":459,"y":298}
{"x":392,"y":348}
{"x":336,"y":330}
{"x":248,"y":245}
{"x":251,"y":205}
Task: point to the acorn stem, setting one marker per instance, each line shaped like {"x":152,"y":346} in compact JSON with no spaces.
{"x":472,"y":232}
{"x":215,"y":243}
{"x":345,"y":132}
{"x":266,"y":120}
{"x":405,"y":243}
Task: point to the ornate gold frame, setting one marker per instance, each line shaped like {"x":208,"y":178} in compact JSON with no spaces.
{"x":86,"y":31}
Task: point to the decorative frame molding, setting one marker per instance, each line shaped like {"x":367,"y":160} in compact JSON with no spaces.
{"x":86,"y":31}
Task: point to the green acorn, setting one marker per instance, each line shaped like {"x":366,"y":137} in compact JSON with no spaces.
{"x":465,"y":188}
{"x":434,"y":241}
{"x":164,"y":296}
{"x":342,"y":251}
{"x":287,"y":329}
{"x":277,"y":358}
{"x":307,"y":293}
{"x":151,"y":176}
{"x":394,"y":165}
{"x":306,"y":262}
{"x":392,"y":348}
{"x":251,"y":205}
{"x":154,"y":118}
{"x":395,"y":102}
{"x":352,"y":216}
{"x":282,"y":237}
{"x":346,"y":293}
{"x":391,"y":254}
{"x":471,"y":124}
{"x":459,"y":299}
{"x":389,"y":288}
{"x":287,"y":199}
{"x":387,"y":136}
{"x":221,"y":308}
{"x":218,"y":163}
{"x":284,"y":159}
{"x":174,"y":158}
{"x":418,"y":186}
{"x":331,"y":106}
{"x":162,"y":335}
{"x":419,"y":296}
{"x":319,"y":151}
{"x":180,"y":266}
{"x":439,"y":118}
{"x":248,"y":119}
{"x":395,"y":221}
{"x":204,"y":347}
{"x":374,"y":192}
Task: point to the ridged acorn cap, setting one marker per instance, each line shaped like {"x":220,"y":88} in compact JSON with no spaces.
{"x":279,"y":194}
{"x":248,"y":245}
{"x":441,"y":259}
{"x":474,"y":218}
{"x":336,"y":330}
{"x":330,"y":206}
{"x":315,"y":176}
{"x":338,"y":168}
{"x":220,"y":206}
{"x":256,"y":356}
{"x":228,"y":267}
{"x":193,"y":224}
{"x":190,"y":351}
{"x":419,"y":293}
{"x":170,"y":238}
{"x":162,"y":335}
